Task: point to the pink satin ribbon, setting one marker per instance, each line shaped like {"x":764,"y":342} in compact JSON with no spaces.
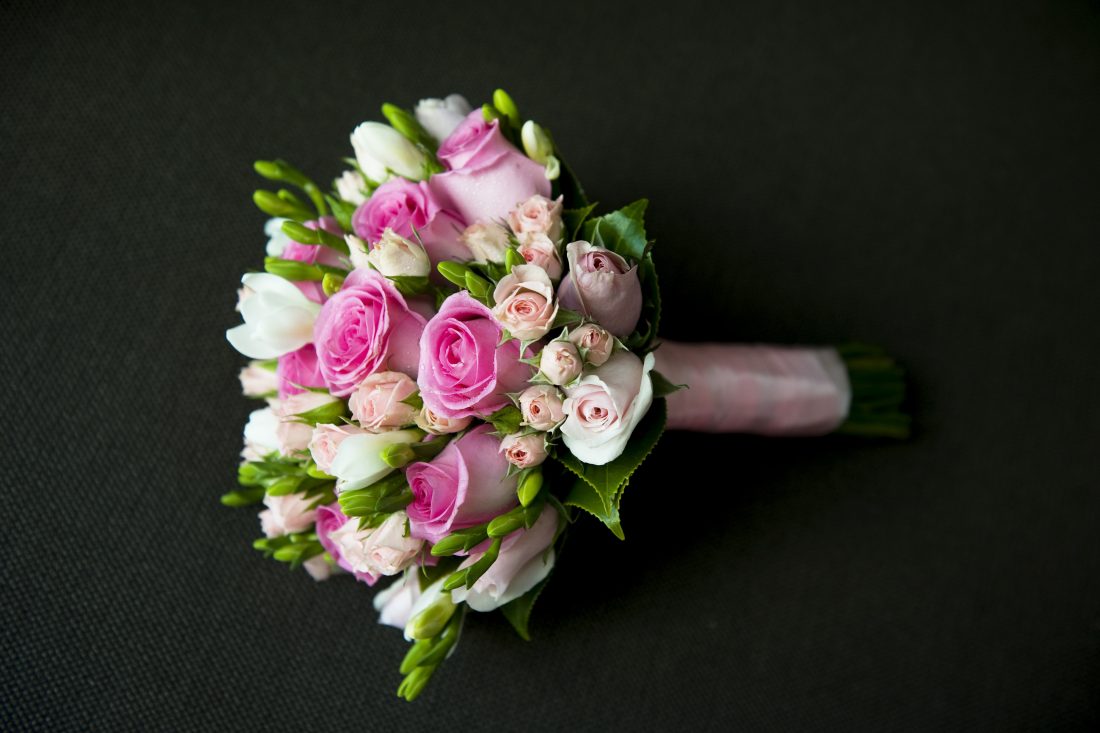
{"x":765,"y":390}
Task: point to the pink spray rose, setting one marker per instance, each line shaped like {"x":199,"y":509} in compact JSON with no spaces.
{"x":603,"y":286}
{"x":381,"y":550}
{"x":294,"y":436}
{"x":332,"y":536}
{"x":594,"y":343}
{"x":286,"y":515}
{"x":488,"y":175}
{"x":364,"y":328}
{"x":431,"y":422}
{"x":537,"y":215}
{"x":524,"y":451}
{"x":525,"y":302}
{"x":297,"y":370}
{"x":560,"y":362}
{"x":324,"y":443}
{"x":522,"y":564}
{"x":541,"y":406}
{"x":462,"y":371}
{"x":313,"y":254}
{"x":411,"y":210}
{"x":258,"y":381}
{"x":466,"y":484}
{"x":376,"y":402}
{"x":537,"y":249}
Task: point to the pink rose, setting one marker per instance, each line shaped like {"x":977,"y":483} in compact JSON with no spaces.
{"x":294,"y":436}
{"x":594,"y":343}
{"x":258,"y":381}
{"x":537,"y":215}
{"x":602,"y":286}
{"x":364,"y":328}
{"x":537,"y":249}
{"x":313,"y":254}
{"x":524,"y":451}
{"x":525,"y":302}
{"x":429,"y":421}
{"x":286,"y":514}
{"x":462,"y":371}
{"x":381,"y":550}
{"x":541,"y":406}
{"x":466,"y":484}
{"x":324,"y":443}
{"x":560,"y":362}
{"x":523,"y":563}
{"x":603,"y":407}
{"x":412,"y":210}
{"x":330,"y":532}
{"x":376,"y":402}
{"x":297,"y":370}
{"x":488,"y":176}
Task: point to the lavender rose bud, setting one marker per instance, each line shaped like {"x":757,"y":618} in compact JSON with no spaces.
{"x":603,"y":286}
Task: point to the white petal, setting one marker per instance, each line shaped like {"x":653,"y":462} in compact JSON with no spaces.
{"x":243,"y":340}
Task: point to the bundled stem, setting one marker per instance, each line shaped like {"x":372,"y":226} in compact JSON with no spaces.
{"x":878,"y":391}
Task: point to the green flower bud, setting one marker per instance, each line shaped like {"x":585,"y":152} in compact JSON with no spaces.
{"x":449,"y":545}
{"x":529,"y":487}
{"x":536,"y":143}
{"x":331,"y":284}
{"x":397,"y":455}
{"x":506,"y":106}
{"x":416,"y":652}
{"x":411,"y":687}
{"x":453,"y":271}
{"x":505,"y":524}
{"x":433,"y":619}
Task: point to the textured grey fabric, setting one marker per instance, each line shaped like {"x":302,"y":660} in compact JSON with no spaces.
{"x":920,"y":177}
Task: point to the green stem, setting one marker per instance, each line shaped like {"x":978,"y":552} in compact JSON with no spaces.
{"x":878,"y":393}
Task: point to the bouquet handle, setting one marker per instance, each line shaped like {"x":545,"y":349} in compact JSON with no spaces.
{"x":783,"y":391}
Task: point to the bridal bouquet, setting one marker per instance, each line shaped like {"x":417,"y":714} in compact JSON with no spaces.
{"x":459,"y":353}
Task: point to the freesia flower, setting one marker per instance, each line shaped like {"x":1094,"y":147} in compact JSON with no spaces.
{"x":278,"y":318}
{"x":358,"y":462}
{"x":380,"y":150}
{"x":441,"y":116}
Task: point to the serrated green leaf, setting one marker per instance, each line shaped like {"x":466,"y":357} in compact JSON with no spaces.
{"x":662,"y":386}
{"x":608,"y":481}
{"x":622,"y":231}
{"x":518,"y":612}
{"x":650,"y":319}
{"x":574,"y":218}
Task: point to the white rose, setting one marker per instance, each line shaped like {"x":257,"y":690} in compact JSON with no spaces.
{"x":603,"y":407}
{"x":278,"y":318}
{"x":441,"y":116}
{"x":350,"y":187}
{"x":380,"y":150}
{"x":358,"y":462}
{"x":394,"y":256}
{"x":487,"y":242}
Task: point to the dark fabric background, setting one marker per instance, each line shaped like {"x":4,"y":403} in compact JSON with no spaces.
{"x":921,"y":177}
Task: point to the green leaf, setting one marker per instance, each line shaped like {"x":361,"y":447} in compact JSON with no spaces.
{"x":565,"y":317}
{"x":608,"y":481}
{"x":622,"y":231}
{"x":569,"y":187}
{"x":342,"y":211}
{"x":574,"y":218}
{"x":409,"y":285}
{"x":325,"y":414}
{"x":662,"y":386}
{"x":506,"y":420}
{"x":649,"y":320}
{"x":518,"y":612}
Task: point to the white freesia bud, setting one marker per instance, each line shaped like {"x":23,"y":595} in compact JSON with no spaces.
{"x":350,"y":186}
{"x":430,"y":613}
{"x":395,"y":256}
{"x":380,"y":149}
{"x":359,"y":462}
{"x":278,"y":318}
{"x":277,"y":238}
{"x":441,"y":116}
{"x":486,"y":241}
{"x":357,"y":251}
{"x":536,"y":143}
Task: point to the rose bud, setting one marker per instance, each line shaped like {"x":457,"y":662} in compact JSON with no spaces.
{"x":537,"y":249}
{"x":560,"y":362}
{"x":487,"y":242}
{"x":537,"y":215}
{"x":357,"y":251}
{"x":334,"y":529}
{"x":525,"y":302}
{"x":524,"y":451}
{"x":541,"y":406}
{"x":377,"y":402}
{"x":294,"y":436}
{"x":395,"y":256}
{"x":258,"y":381}
{"x":430,"y":421}
{"x":603,"y":408}
{"x":603,"y":286}
{"x":594,"y":342}
{"x":286,"y":515}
